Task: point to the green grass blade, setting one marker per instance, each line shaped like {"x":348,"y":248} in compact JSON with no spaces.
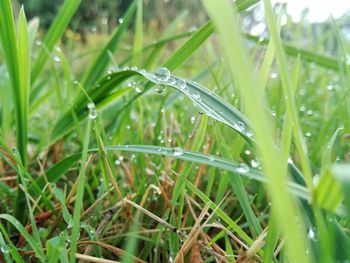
{"x":241,"y":69}
{"x":57,"y":29}
{"x":98,"y":67}
{"x":78,"y":205}
{"x":32,"y":243}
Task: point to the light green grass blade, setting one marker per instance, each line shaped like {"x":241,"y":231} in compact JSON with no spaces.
{"x":288,"y":94}
{"x":57,"y":29}
{"x":55,"y":172}
{"x":305,"y":55}
{"x":242,"y":71}
{"x":138,"y":38}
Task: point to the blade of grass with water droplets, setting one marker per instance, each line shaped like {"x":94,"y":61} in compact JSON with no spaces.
{"x":32,"y":243}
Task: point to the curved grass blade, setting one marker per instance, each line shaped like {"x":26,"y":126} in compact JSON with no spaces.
{"x":208,"y":102}
{"x":56,"y":171}
{"x":33,"y":244}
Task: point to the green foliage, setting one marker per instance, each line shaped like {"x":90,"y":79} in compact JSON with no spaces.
{"x":210,"y":144}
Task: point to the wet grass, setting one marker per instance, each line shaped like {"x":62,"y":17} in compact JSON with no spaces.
{"x":206,"y":145}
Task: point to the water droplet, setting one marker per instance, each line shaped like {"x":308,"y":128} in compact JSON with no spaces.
{"x":255,"y":163}
{"x":4,"y":249}
{"x":211,"y":158}
{"x":243,"y":168}
{"x":38,"y":43}
{"x":308,"y":134}
{"x":196,"y":95}
{"x":138,"y":90}
{"x":171,"y":81}
{"x":134,"y":68}
{"x":160,"y":88}
{"x":181,"y":84}
{"x":247,"y":152}
{"x":163,"y":74}
{"x":274,"y":75}
{"x":92,"y":110}
{"x":311,"y":234}
{"x":178,"y":151}
{"x":193,"y":120}
{"x":56,"y":59}
{"x":117,"y":162}
{"x":240,"y":126}
{"x":315,"y":179}
{"x":120,"y":20}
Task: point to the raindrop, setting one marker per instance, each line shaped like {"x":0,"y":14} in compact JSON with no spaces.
{"x":181,"y":84}
{"x":311,"y":234}
{"x":120,"y":20}
{"x":308,"y":134}
{"x":134,"y":68}
{"x":247,"y":152}
{"x":163,"y":74}
{"x":274,"y":75}
{"x":243,"y":168}
{"x":240,"y":126}
{"x":316,"y":179}
{"x":193,"y":120}
{"x":211,"y":158}
{"x":310,"y":112}
{"x":160,"y":88}
{"x":56,"y":59}
{"x":255,"y":163}
{"x":196,"y":95}
{"x":171,"y":81}
{"x":4,"y":249}
{"x":178,"y":151}
{"x":117,"y":162}
{"x":38,"y":43}
{"x":92,"y":110}
{"x":138,"y":90}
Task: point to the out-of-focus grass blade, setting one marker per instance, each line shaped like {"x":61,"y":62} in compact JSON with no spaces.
{"x":99,"y":65}
{"x":138,"y":38}
{"x":306,"y":55}
{"x":241,"y":70}
{"x":57,"y":29}
{"x":191,"y":45}
{"x":328,"y":194}
{"x":342,"y":174}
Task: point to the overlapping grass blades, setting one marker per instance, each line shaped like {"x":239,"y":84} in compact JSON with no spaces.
{"x":17,"y":55}
{"x":206,"y":101}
